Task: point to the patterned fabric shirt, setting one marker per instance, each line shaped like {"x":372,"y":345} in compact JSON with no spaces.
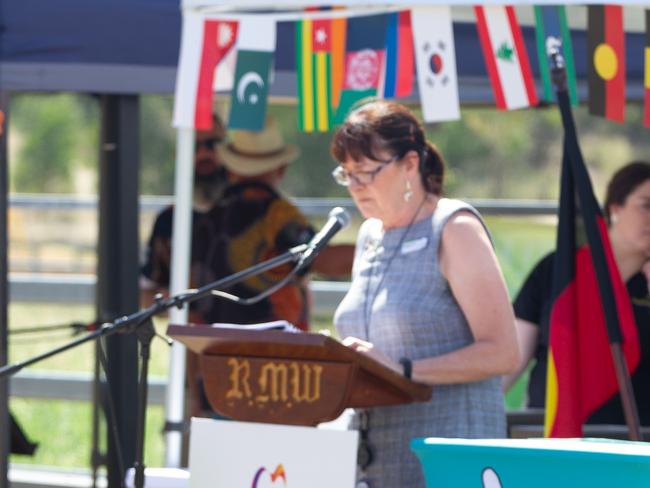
{"x":157,"y":259}
{"x":400,"y":301}
{"x":251,"y":223}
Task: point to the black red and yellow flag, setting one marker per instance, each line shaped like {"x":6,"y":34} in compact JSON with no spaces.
{"x":606,"y":61}
{"x":591,"y":308}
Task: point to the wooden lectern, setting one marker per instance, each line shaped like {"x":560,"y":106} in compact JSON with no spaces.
{"x":290,"y":378}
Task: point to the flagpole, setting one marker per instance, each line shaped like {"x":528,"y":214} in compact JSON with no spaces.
{"x":558,"y":73}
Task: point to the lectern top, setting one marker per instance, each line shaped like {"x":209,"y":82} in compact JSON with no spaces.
{"x":262,"y":375}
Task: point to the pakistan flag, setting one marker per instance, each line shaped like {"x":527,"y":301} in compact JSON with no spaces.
{"x":255,"y":48}
{"x":250,"y":90}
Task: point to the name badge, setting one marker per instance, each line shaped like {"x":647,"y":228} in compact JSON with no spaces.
{"x":414,"y":245}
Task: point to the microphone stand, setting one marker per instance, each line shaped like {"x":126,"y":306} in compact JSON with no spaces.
{"x":142,"y":324}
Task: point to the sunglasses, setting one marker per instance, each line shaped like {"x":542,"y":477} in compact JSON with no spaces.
{"x":363,"y":178}
{"x":206,"y":143}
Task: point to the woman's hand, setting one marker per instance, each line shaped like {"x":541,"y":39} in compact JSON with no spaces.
{"x":370,"y":350}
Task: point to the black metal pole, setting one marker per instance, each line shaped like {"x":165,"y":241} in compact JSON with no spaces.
{"x":118,"y":264}
{"x":630,"y":411}
{"x":4,"y":295}
{"x":97,"y":458}
{"x":145,"y":334}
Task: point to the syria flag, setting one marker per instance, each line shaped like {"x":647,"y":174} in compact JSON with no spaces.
{"x":505,"y":56}
{"x":365,"y":46}
{"x":606,"y":61}
{"x":436,"y":63}
{"x":591,"y":307}
{"x":205,"y":46}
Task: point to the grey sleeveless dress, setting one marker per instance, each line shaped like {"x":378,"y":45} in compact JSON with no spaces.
{"x":400,"y":301}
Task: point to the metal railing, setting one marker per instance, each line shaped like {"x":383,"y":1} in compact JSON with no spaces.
{"x":80,"y":288}
{"x":309,"y":206}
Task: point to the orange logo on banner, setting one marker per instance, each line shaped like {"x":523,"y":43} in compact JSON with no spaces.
{"x":275,"y":475}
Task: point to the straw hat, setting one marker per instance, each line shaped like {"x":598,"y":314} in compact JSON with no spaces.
{"x":249,"y":153}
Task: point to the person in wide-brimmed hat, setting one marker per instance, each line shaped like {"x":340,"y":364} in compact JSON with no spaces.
{"x":251,"y":154}
{"x":251,"y":223}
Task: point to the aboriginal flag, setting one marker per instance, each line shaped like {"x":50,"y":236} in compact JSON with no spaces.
{"x":591,"y":308}
{"x":606,"y":62}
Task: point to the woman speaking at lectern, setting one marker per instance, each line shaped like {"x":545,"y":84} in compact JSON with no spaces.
{"x":427,"y":297}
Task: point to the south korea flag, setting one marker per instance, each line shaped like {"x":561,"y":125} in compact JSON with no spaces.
{"x":435,"y":59}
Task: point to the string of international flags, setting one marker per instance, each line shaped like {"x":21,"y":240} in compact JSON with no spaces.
{"x":342,"y":58}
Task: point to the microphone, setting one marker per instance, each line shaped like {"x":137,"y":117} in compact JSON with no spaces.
{"x":338,"y":219}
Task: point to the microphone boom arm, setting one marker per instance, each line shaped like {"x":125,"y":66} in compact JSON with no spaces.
{"x":129,"y":322}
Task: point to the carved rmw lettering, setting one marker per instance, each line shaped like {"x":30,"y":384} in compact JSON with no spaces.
{"x":239,"y":374}
{"x":273,"y":383}
{"x":305,"y":387}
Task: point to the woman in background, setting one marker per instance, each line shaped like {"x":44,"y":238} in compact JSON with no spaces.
{"x":427,"y":296}
{"x":627,"y":212}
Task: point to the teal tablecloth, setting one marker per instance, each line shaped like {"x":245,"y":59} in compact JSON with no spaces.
{"x":533,"y":463}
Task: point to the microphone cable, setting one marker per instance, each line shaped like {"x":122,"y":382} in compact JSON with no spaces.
{"x":261,"y":296}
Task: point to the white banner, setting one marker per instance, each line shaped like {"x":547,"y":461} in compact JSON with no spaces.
{"x":187,"y":76}
{"x":246,"y":454}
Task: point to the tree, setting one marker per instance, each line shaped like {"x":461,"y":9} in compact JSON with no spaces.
{"x":48,"y":135}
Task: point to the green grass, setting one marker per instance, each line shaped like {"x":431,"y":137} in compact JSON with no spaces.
{"x":63,"y":428}
{"x":63,"y":431}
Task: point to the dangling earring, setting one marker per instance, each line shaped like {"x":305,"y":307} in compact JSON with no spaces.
{"x":408,"y":193}
{"x":614,"y":218}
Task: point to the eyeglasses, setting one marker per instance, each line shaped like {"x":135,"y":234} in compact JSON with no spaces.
{"x":206,"y":143}
{"x":345,"y":178}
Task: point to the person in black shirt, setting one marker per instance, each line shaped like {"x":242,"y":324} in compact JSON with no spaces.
{"x":627,"y":211}
{"x":210,"y":180}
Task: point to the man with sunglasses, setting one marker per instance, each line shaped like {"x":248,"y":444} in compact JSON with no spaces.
{"x":210,"y":179}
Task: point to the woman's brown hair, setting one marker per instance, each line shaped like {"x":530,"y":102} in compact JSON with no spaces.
{"x":388,"y":126}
